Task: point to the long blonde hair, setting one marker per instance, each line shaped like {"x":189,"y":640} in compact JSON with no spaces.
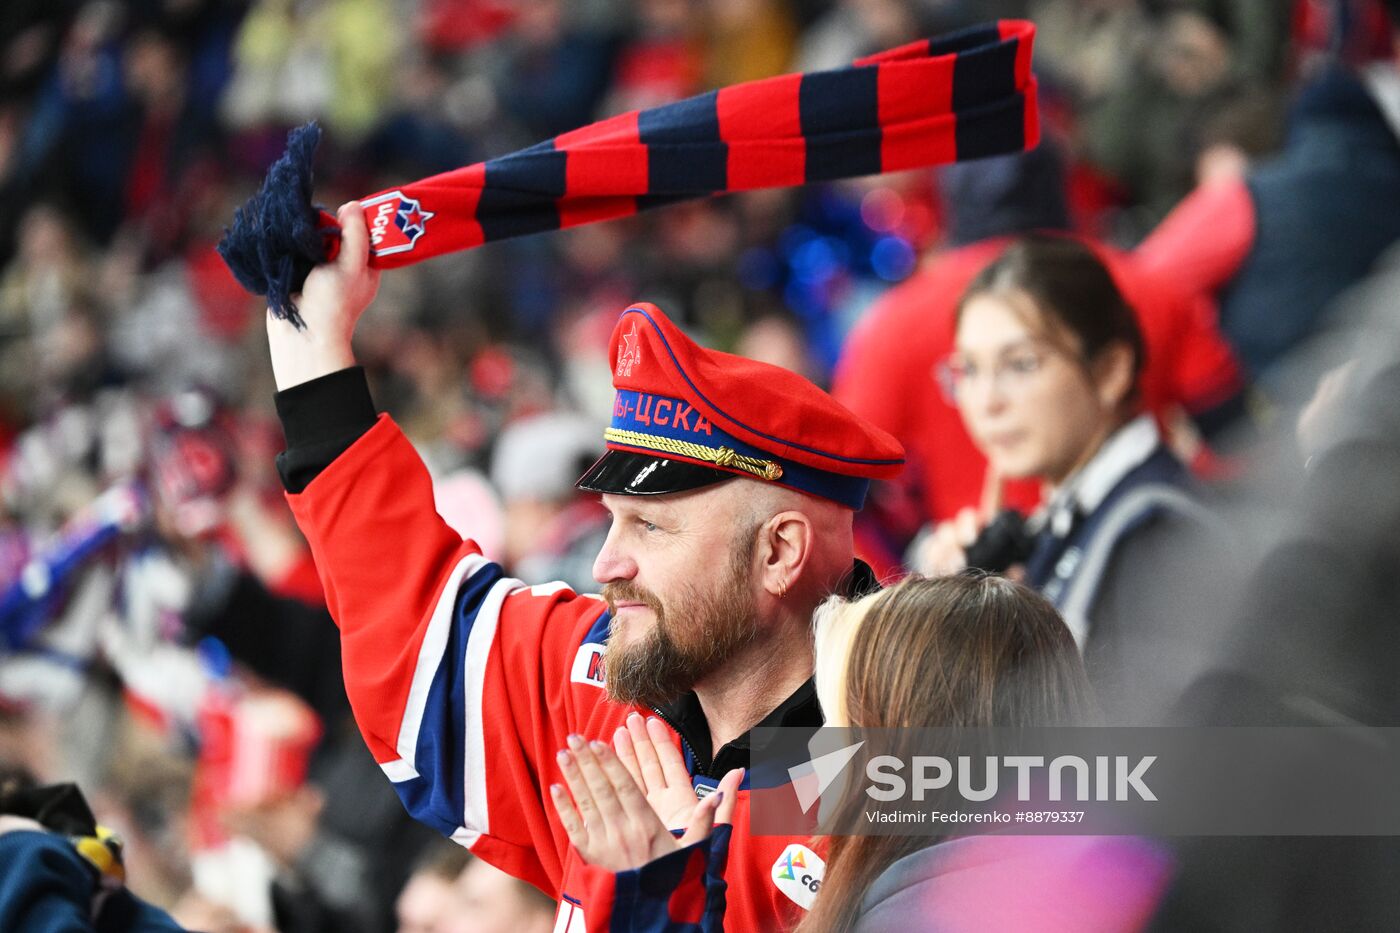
{"x":961,"y":651}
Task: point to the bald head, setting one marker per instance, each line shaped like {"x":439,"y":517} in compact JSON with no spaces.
{"x":802,"y":544}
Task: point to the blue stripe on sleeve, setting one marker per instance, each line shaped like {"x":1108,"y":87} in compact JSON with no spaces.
{"x":437,"y":795}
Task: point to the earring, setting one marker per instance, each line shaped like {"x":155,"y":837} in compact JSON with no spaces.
{"x":782,"y":590}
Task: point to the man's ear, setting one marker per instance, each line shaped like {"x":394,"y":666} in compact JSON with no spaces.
{"x":787,"y":542}
{"x":1114,"y":375}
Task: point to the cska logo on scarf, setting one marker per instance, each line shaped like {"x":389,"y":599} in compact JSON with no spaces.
{"x":395,"y":223}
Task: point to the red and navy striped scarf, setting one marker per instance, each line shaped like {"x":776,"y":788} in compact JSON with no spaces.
{"x":959,"y":97}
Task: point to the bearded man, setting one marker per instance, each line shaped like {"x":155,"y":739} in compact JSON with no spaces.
{"x":731,"y":484}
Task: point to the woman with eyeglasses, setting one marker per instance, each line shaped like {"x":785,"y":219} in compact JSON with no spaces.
{"x":1045,"y":374}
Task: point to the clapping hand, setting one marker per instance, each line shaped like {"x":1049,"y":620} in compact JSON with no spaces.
{"x":645,"y":749}
{"x":612,"y":819}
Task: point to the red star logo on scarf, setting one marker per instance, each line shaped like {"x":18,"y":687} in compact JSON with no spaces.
{"x":411,"y":219}
{"x":631,"y":353}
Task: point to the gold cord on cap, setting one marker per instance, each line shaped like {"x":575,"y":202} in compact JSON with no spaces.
{"x":719,"y":456}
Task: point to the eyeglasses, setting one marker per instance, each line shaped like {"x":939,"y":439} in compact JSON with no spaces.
{"x":958,"y":375}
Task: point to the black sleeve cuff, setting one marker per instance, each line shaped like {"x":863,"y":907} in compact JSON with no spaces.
{"x":320,"y":420}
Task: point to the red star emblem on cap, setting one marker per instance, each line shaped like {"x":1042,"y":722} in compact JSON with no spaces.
{"x":631,"y":354}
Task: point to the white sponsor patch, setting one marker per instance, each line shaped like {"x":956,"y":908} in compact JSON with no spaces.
{"x":798,"y":874}
{"x":588,"y":665}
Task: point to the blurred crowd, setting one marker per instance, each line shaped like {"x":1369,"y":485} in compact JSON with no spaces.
{"x":1234,"y":163}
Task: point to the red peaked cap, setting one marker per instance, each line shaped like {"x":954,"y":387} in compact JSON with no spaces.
{"x":685,"y":417}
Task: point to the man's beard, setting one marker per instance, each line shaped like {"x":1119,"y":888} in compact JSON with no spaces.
{"x":696,"y":633}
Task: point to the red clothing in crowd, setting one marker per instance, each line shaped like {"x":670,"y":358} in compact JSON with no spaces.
{"x":1204,"y":240}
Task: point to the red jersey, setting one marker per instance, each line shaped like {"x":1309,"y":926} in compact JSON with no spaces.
{"x":465,"y":684}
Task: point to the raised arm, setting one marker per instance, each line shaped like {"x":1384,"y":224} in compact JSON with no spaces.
{"x":457,"y":674}
{"x":334,"y":297}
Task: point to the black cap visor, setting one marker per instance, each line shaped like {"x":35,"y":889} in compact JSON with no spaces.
{"x":625,"y":473}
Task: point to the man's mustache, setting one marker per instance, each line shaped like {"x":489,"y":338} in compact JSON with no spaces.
{"x":625,"y":591}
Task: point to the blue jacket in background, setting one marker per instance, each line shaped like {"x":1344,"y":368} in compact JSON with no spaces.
{"x":1325,"y":209}
{"x":47,"y":887}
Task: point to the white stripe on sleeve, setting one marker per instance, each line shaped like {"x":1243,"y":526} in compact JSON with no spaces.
{"x":398,"y":770}
{"x":430,"y":656}
{"x":483,"y":635}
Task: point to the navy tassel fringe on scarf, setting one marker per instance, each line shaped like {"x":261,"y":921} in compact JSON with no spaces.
{"x":959,"y":97}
